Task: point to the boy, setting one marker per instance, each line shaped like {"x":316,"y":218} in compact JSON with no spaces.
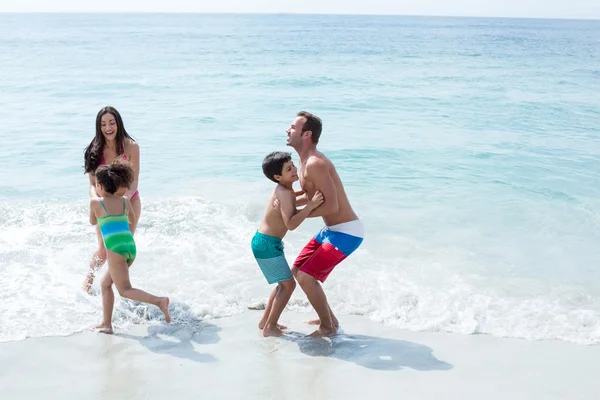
{"x":267,"y":245}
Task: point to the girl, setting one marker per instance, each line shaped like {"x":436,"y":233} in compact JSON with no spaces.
{"x":114,"y":216}
{"x":111,"y":141}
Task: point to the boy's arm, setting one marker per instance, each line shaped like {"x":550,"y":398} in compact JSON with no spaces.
{"x":292,"y":218}
{"x":319,"y":172}
{"x":93,"y":218}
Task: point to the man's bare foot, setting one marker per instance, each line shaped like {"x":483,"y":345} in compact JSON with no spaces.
{"x":317,"y":321}
{"x":323,"y":332}
{"x":164,"y":307}
{"x":104,"y":328}
{"x":272,"y":331}
{"x":261,"y":325}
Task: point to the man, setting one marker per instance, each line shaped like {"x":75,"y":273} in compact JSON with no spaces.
{"x":343,"y":231}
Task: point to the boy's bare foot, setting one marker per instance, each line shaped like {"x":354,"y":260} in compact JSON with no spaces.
{"x":164,"y":307}
{"x":104,"y":328}
{"x":261,"y":325}
{"x":322,"y":332}
{"x":317,"y":321}
{"x":272,"y":331}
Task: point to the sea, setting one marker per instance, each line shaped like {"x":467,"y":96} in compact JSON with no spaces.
{"x":469,"y":147}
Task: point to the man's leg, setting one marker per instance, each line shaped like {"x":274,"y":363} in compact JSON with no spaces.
{"x":316,"y":297}
{"x":317,"y":321}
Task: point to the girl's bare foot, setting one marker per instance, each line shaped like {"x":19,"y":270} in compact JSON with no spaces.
{"x":104,"y":328}
{"x":87,"y":284}
{"x":164,"y":307}
{"x":272,"y":331}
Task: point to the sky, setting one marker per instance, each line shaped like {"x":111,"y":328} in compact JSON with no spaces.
{"x":488,"y":8}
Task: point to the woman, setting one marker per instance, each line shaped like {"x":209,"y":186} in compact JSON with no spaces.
{"x":111,"y":141}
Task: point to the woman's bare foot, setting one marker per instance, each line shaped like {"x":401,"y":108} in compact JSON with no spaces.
{"x":322,"y":332}
{"x":104,"y":328}
{"x":164,"y":307}
{"x":272,"y":331}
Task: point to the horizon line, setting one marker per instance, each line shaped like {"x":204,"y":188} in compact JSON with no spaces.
{"x":308,"y":13}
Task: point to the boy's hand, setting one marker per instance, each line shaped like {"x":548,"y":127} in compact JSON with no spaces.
{"x":316,"y":200}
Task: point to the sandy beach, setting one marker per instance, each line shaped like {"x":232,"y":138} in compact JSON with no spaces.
{"x":228,"y":359}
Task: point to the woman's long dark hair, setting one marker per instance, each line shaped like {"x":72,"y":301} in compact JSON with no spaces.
{"x":94,"y":151}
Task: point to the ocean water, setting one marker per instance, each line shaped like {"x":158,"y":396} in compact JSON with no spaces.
{"x":469,"y":147}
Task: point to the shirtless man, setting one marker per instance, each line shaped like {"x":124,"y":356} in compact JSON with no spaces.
{"x":343,"y":231}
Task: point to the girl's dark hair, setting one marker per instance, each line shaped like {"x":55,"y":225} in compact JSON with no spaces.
{"x":118,"y":174}
{"x":93,"y":152}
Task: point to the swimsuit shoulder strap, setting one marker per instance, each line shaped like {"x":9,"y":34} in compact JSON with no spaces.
{"x":102,"y":204}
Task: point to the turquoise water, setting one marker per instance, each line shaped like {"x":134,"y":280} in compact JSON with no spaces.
{"x":469,"y":147}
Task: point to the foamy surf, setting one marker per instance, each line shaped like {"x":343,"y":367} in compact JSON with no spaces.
{"x":197,"y":252}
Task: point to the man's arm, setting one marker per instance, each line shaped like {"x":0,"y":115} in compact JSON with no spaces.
{"x":321,"y":178}
{"x":301,"y":198}
{"x":292,"y":218}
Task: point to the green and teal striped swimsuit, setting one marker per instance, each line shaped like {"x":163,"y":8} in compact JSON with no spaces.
{"x":116,"y":233}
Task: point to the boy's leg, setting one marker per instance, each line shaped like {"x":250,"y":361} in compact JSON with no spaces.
{"x":108,"y":302}
{"x":282,"y":296}
{"x":119,"y":272}
{"x":265,"y":316}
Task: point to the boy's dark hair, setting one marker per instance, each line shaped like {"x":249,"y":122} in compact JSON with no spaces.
{"x":312,"y":123}
{"x":273,"y":164}
{"x":118,"y":174}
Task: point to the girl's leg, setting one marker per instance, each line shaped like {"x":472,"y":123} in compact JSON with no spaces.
{"x":98,"y":259}
{"x":119,"y":272}
{"x":108,"y":302}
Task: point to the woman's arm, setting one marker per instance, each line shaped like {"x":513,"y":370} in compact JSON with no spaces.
{"x":133,"y":156}
{"x":93,"y":193}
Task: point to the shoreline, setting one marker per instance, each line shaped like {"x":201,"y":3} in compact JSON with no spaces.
{"x":228,"y":358}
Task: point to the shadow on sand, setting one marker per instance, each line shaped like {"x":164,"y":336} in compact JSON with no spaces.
{"x":177,"y":339}
{"x":371,"y":352}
